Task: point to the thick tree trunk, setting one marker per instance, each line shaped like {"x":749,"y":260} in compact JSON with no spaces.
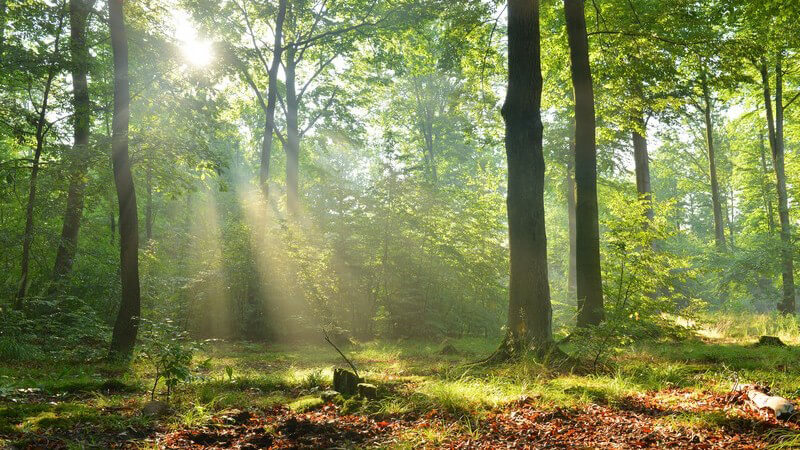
{"x":67,"y":246}
{"x":529,"y":308}
{"x":766,"y":191}
{"x":719,"y":225}
{"x":590,"y":286}
{"x":126,"y":326}
{"x":41,"y":131}
{"x":641,"y":160}
{"x":292,"y":135}
{"x":272,"y":96}
{"x":775,"y":126}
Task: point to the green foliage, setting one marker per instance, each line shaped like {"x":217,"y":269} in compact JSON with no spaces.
{"x":640,"y":279}
{"x":168,"y":352}
{"x":60,"y":328}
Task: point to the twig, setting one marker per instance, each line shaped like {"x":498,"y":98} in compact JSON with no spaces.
{"x":340,"y":352}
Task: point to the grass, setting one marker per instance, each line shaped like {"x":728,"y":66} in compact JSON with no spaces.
{"x":79,"y":402}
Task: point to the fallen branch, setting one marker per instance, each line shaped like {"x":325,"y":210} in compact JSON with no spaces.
{"x":340,"y":352}
{"x":759,"y":398}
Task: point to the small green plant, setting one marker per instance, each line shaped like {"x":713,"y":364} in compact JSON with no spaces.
{"x":229,"y":372}
{"x":168,"y":351}
{"x":640,"y":276}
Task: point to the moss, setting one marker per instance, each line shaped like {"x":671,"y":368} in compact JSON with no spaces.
{"x":306,"y":403}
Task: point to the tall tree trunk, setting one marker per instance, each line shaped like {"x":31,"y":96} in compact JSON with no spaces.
{"x":572,"y":281}
{"x":731,"y":208}
{"x":67,"y":246}
{"x":775,"y":126}
{"x":292,"y":134}
{"x":765,"y":192}
{"x":641,"y":160}
{"x":148,"y":207}
{"x":719,"y":226}
{"x":590,"y":286}
{"x":272,"y":96}
{"x":126,"y":326}
{"x":41,"y":131}
{"x":529,"y":308}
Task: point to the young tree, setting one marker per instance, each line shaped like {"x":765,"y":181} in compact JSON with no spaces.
{"x":590,"y":285}
{"x":529,"y":308}
{"x":43,"y":127}
{"x":707,"y":108}
{"x":127,"y":324}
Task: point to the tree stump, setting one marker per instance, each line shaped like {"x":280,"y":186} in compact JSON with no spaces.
{"x":773,"y":341}
{"x":345,"y":382}
{"x":368,"y":391}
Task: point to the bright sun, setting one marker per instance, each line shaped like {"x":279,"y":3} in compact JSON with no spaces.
{"x":196,"y":51}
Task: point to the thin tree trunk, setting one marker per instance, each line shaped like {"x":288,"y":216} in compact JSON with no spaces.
{"x":767,"y":199}
{"x":641,"y":160}
{"x":590,"y":286}
{"x":529,"y":308}
{"x":272,"y":96}
{"x":572,"y":281}
{"x":776,"y":142}
{"x":126,"y":326}
{"x":148,"y":208}
{"x":719,"y":226}
{"x":67,"y":246}
{"x":292,"y":135}
{"x":41,"y":131}
{"x":731,"y":217}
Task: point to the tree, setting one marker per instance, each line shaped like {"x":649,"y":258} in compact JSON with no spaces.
{"x":529,"y":308}
{"x":127,"y":324}
{"x":707,"y":109}
{"x":43,"y":127}
{"x":82,"y":116}
{"x":590,"y":285}
{"x":777,"y":145}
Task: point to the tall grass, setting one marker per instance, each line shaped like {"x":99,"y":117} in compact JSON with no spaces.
{"x":742,"y":327}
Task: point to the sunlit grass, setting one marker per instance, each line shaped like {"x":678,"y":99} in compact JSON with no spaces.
{"x":412,"y":378}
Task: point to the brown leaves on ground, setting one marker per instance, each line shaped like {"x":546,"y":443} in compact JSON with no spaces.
{"x":652,"y":420}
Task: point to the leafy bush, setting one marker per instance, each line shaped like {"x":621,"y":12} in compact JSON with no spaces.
{"x":61,"y":328}
{"x":168,"y":351}
{"x":640,"y":275}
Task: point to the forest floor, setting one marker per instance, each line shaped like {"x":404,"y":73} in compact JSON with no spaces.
{"x":656,"y":394}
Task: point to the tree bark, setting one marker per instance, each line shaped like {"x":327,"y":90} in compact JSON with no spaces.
{"x":272,"y":96}
{"x":67,"y":246}
{"x":529,"y":308}
{"x":719,"y":225}
{"x":41,"y":132}
{"x":148,"y":208}
{"x":641,"y":160}
{"x":572,"y":281}
{"x":767,"y":200}
{"x":292,"y":134}
{"x":775,"y":128}
{"x":590,"y":286}
{"x":126,"y":326}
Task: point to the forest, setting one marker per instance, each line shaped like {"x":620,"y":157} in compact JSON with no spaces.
{"x":399,"y":224}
